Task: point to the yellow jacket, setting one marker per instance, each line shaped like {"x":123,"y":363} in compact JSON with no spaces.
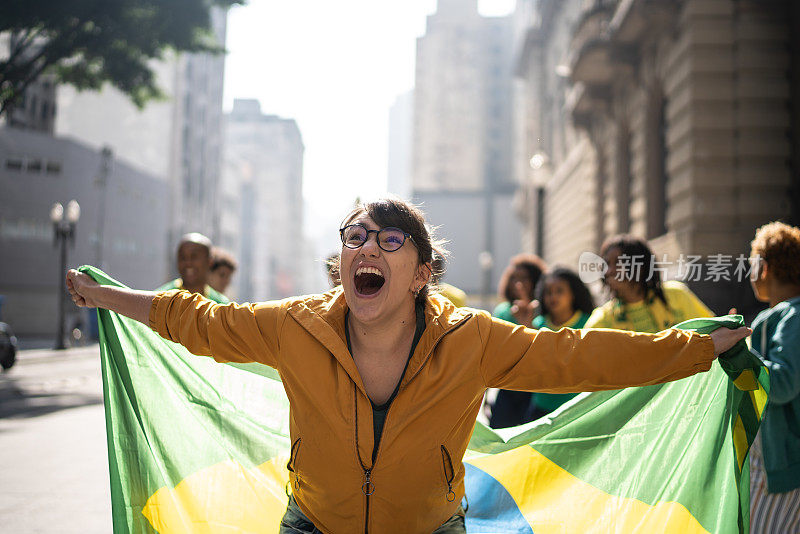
{"x":650,"y":314}
{"x":417,"y":480}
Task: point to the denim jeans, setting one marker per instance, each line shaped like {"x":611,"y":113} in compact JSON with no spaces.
{"x":295,"y":522}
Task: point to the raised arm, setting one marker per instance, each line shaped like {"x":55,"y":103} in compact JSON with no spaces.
{"x":226,"y":332}
{"x":592,"y":360}
{"x":132,"y":303}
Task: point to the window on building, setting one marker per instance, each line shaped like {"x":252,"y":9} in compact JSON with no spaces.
{"x":14,"y":164}
{"x":34,"y":165}
{"x":657,"y":176}
{"x":599,"y":207}
{"x":622,"y":178}
{"x":53,"y":167}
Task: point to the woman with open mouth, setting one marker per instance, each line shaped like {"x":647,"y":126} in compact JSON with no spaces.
{"x":385,"y":378}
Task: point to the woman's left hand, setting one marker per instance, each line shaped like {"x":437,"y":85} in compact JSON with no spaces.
{"x":725,"y":338}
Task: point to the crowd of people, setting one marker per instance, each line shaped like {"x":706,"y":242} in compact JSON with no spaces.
{"x":386,"y":307}
{"x":534,"y":295}
{"x":202,"y":268}
{"x":640,"y":301}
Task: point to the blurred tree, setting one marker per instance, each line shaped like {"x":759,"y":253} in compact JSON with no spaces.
{"x":87,"y":43}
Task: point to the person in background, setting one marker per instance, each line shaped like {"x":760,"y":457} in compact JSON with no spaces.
{"x":775,"y":456}
{"x":451,"y":292}
{"x":565,"y":302}
{"x":223,"y":265}
{"x":194,"y":264}
{"x":640,"y":301}
{"x":516,"y":287}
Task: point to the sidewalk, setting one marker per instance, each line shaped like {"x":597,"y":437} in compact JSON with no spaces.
{"x":42,"y":355}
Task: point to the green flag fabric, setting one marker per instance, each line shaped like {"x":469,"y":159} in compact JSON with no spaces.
{"x":200,"y":447}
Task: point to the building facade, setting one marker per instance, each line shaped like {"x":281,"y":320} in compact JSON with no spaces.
{"x":36,"y":108}
{"x":178,"y":139}
{"x":462,"y":169}
{"x":121,"y":226}
{"x":263,"y":176}
{"x":142,"y":178}
{"x":676,"y":121}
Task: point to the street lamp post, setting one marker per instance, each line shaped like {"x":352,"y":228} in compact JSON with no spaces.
{"x":63,"y":232}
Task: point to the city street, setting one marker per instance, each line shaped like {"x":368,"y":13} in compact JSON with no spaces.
{"x":53,"y":461}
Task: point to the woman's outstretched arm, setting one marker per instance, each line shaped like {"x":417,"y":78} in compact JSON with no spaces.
{"x":132,"y":303}
{"x":226,"y":332}
{"x":590,"y":360}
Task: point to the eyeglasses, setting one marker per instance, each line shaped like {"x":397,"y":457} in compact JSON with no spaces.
{"x":389,"y":238}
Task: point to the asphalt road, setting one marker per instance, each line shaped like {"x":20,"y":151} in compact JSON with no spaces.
{"x":53,"y":457}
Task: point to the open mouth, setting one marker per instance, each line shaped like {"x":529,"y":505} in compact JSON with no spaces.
{"x":368,"y":280}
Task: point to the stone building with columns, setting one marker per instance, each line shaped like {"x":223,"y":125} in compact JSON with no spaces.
{"x":674,"y":120}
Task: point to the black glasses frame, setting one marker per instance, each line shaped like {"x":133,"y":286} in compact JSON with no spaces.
{"x":377,"y":233}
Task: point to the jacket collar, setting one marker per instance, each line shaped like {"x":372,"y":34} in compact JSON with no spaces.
{"x":441,"y":316}
{"x":775,"y":311}
{"x":323,"y":317}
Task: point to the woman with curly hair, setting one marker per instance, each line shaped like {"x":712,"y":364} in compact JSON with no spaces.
{"x":516,"y":287}
{"x":775,"y":456}
{"x":564,"y":302}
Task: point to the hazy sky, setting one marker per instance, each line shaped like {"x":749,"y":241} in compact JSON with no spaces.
{"x":336,"y":68}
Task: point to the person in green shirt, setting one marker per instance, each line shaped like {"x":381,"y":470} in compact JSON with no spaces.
{"x":565,"y":302}
{"x":517,"y":284}
{"x":194,"y":265}
{"x":640,"y":301}
{"x":516,"y":287}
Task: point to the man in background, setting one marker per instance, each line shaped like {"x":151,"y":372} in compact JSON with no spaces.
{"x":194,"y":265}
{"x":223,"y":265}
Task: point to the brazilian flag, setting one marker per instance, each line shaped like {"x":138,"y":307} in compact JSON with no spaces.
{"x":200,"y":447}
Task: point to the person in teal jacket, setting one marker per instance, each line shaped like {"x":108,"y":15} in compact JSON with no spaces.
{"x":775,"y":456}
{"x":565,"y":302}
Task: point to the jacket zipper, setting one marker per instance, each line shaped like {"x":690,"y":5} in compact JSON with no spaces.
{"x":368,"y":488}
{"x":367,"y":492}
{"x":291,"y":466}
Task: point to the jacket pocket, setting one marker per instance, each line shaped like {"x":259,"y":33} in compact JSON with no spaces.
{"x":449,"y":473}
{"x":291,"y":466}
